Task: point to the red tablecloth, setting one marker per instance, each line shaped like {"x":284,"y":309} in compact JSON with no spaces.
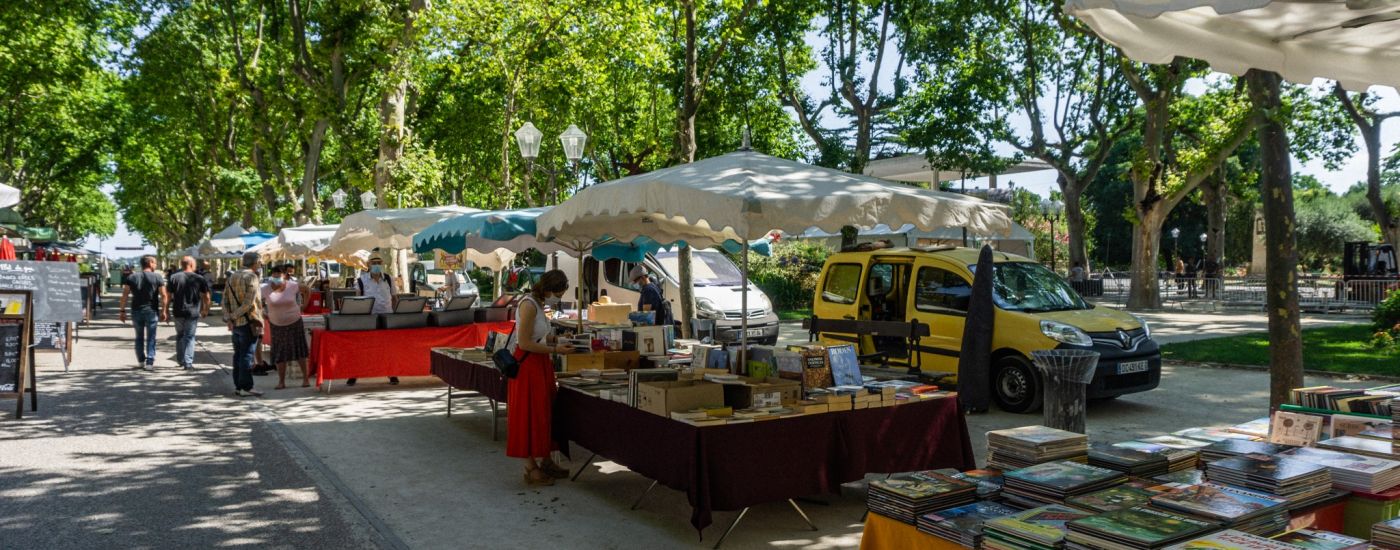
{"x":390,"y":352}
{"x":740,"y":465}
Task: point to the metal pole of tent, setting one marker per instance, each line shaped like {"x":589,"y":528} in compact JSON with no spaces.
{"x":744,"y":306}
{"x":578,"y":296}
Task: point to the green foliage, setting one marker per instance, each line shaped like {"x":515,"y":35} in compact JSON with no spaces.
{"x":1386,"y":316}
{"x":1323,"y":223}
{"x":789,"y":276}
{"x":1340,"y":348}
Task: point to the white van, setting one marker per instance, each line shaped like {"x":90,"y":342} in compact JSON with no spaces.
{"x":717,"y":290}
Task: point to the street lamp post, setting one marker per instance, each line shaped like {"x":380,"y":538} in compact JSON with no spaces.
{"x":1052,"y":209}
{"x":1176,"y":241}
{"x":338,"y":198}
{"x":528,"y":139}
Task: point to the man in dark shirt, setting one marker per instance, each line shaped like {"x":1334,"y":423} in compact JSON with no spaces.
{"x":189,"y":302}
{"x":652,"y":299}
{"x":148,"y":297}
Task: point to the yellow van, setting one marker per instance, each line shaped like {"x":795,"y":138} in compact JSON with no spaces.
{"x":1035,"y":310}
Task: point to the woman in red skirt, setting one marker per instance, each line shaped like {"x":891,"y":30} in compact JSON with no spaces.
{"x":530,"y":399}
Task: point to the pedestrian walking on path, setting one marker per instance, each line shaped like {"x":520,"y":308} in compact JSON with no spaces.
{"x":244,"y":318}
{"x":145,"y":291}
{"x":280,"y":295}
{"x":189,"y":302}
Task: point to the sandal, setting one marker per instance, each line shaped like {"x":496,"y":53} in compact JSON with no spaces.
{"x":280,"y":387}
{"x":555,"y":471}
{"x":538,"y":477}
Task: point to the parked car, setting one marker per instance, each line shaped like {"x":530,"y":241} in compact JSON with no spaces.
{"x":1035,"y":310}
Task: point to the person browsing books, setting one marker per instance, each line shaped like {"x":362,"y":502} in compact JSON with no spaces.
{"x":530,"y":397}
{"x":651,"y":297}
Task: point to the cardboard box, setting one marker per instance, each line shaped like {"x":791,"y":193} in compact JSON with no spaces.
{"x":767,"y":392}
{"x":574,"y":362}
{"x":626,"y":360}
{"x":609,"y":314}
{"x":664,"y":398}
{"x":649,"y":341}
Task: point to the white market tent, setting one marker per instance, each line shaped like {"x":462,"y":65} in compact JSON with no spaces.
{"x":745,"y":195}
{"x":9,"y":196}
{"x":1018,"y":241}
{"x":1355,"y":42}
{"x":389,"y":228}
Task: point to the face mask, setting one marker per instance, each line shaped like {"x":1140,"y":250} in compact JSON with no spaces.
{"x":552,"y":300}
{"x":276,"y":281}
{"x":376,"y":269}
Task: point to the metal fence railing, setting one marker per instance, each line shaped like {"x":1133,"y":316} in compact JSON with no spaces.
{"x":1321,"y":294}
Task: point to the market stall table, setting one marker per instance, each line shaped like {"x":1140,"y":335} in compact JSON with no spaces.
{"x":474,"y":376}
{"x":882,"y":533}
{"x":337,"y":355}
{"x":726,"y":468}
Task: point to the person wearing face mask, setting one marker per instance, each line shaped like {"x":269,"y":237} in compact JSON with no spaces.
{"x":279,"y":296}
{"x":380,"y":285}
{"x":530,"y":395}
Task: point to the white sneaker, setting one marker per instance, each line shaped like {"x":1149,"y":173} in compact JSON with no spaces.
{"x":254,"y":393}
{"x":147,"y":368}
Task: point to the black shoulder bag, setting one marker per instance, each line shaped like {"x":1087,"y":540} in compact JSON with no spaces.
{"x":505,"y":360}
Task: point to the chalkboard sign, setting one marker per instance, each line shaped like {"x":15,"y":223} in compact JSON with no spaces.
{"x":49,"y":335}
{"x":58,"y":291}
{"x":11,"y":350}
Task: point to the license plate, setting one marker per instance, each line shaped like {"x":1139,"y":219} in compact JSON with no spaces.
{"x":1132,"y":366}
{"x":759,"y":332}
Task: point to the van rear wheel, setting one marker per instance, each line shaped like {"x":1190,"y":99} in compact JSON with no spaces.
{"x":1015,"y":386}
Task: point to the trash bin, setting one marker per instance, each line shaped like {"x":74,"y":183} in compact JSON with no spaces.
{"x":1068,"y":373}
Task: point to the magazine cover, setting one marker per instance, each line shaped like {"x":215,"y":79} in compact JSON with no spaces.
{"x":925,"y":485}
{"x":1143,"y":526}
{"x":1217,"y":501}
{"x":1114,"y":498}
{"x":1038,"y":435}
{"x":1321,"y":540}
{"x":1045,"y":524}
{"x":1063,"y":475}
{"x":1232,"y":540}
{"x":1342,"y":461}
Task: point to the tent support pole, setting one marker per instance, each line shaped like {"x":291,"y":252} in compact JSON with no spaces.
{"x":744,"y":308}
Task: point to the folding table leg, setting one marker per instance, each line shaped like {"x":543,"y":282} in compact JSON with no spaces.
{"x":449,"y":402}
{"x":584,"y":467}
{"x":495,"y":418}
{"x":731,"y":528}
{"x":644,"y":495}
{"x":803,"y":514}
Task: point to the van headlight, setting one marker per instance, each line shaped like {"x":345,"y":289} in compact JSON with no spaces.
{"x":706,"y":309}
{"x":1063,"y":333}
{"x":1146,"y":330}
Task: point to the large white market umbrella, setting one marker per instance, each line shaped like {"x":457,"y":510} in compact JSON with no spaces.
{"x":1355,"y":42}
{"x":9,"y":196}
{"x":387,"y":228}
{"x":746,"y":195}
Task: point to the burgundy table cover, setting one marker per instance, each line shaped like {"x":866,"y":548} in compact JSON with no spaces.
{"x":740,"y":465}
{"x":484,"y":379}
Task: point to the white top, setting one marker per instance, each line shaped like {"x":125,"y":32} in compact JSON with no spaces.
{"x":382,"y":291}
{"x":542,"y":328}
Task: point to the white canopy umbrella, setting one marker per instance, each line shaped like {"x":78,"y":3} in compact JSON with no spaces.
{"x":9,"y":196}
{"x":387,"y":228}
{"x":1355,"y":42}
{"x":746,"y":195}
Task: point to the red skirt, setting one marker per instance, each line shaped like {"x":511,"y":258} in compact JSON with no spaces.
{"x":530,"y":408}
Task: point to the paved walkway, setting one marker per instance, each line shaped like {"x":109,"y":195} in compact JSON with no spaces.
{"x":121,"y":458}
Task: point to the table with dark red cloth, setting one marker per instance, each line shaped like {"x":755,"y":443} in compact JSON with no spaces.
{"x":475,"y":377}
{"x":339,"y":355}
{"x":731,"y":467}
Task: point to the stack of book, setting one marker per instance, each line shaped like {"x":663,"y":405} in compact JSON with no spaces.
{"x":907,"y":497}
{"x":1177,"y":458}
{"x":1299,"y":482}
{"x":1361,"y":446}
{"x":1322,"y":397}
{"x":1375,"y":401}
{"x":1258,"y":428}
{"x":988,"y":482}
{"x":1231,"y":539}
{"x":1030,"y":445}
{"x":1132,"y":462}
{"x":1238,"y":509}
{"x":1053,"y":482}
{"x":1309,"y":538}
{"x":1134,"y":528}
{"x":1236,"y":447}
{"x":1123,"y":496}
{"x":1350,"y":471}
{"x":1380,"y":433}
{"x":962,"y":524}
{"x":1211,"y":434}
{"x":1181,"y":478}
{"x":1035,"y":529}
{"x":1386,"y":533}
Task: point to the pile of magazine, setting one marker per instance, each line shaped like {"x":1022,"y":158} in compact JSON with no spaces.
{"x":1230,"y":539}
{"x":1129,"y":461}
{"x":907,"y":497}
{"x":1236,"y":447}
{"x":1134,"y":528}
{"x":1040,"y":528}
{"x":1386,"y":533}
{"x":1350,"y":471}
{"x":1301,"y":483}
{"x":1127,"y":495}
{"x":1362,"y":446}
{"x":962,"y":524}
{"x":1030,"y":445}
{"x":1053,"y":482}
{"x":1238,"y":509}
{"x":1177,"y":458}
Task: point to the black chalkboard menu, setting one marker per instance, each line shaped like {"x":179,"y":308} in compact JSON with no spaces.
{"x":49,"y":335}
{"x":57,"y":289}
{"x":11,"y":354}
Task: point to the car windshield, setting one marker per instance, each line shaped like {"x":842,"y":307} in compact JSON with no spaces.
{"x":1025,"y":286}
{"x":707,"y":267}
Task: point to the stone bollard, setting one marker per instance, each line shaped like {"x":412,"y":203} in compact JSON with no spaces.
{"x":1067,"y":372}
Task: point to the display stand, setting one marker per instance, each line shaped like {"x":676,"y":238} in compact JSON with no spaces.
{"x":16,"y":356}
{"x":54,"y":336}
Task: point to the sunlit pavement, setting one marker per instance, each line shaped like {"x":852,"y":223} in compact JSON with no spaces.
{"x":121,"y":458}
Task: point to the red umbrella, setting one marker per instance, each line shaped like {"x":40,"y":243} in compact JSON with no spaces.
{"x":7,"y":249}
